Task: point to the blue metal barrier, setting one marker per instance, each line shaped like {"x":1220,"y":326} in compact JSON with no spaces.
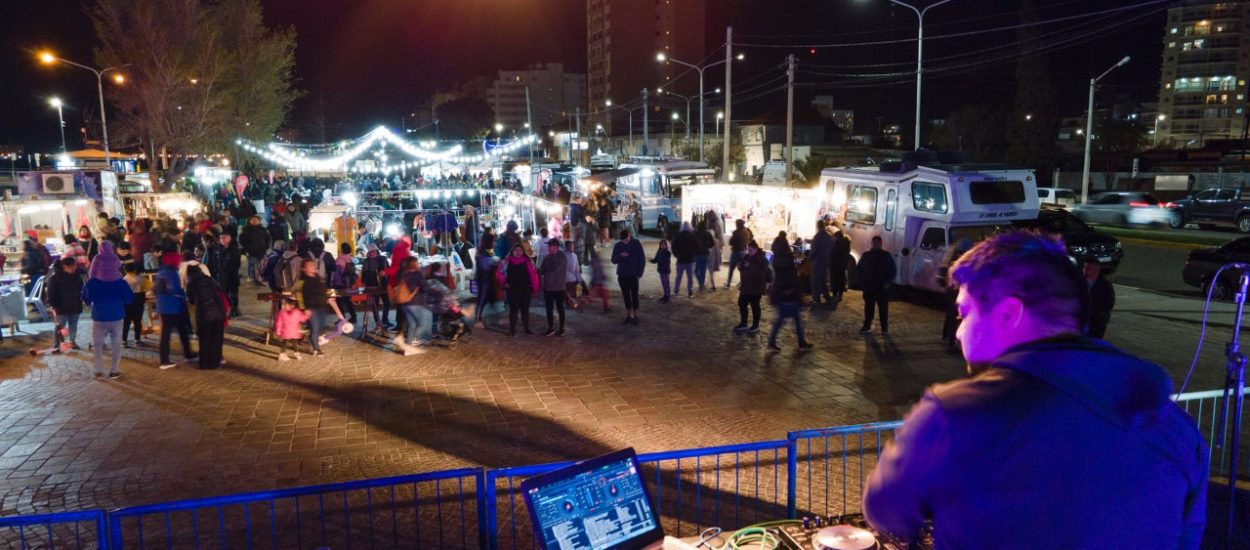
{"x":856,"y":447}
{"x":61,"y":530}
{"x":403,"y":511}
{"x":690,"y":489}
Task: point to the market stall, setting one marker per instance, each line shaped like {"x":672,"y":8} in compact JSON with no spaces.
{"x":766,"y":210}
{"x":151,"y":205}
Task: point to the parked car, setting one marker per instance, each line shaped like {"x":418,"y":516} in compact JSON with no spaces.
{"x":1082,"y":241}
{"x":1055,"y":196}
{"x":1203,"y":263}
{"x":1124,"y":208}
{"x":1208,"y":208}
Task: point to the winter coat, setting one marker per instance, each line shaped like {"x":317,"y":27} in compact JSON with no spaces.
{"x":663,"y":261}
{"x":754,"y":270}
{"x":554,"y":271}
{"x":255,"y":240}
{"x":876,"y":270}
{"x":108,"y":300}
{"x":33,"y":262}
{"x":514,"y":272}
{"x":171,"y":299}
{"x":685,"y":247}
{"x":822,"y":249}
{"x":63,"y":292}
{"x":289,"y":323}
{"x":738,"y":241}
{"x":1060,"y":443}
{"x":629,"y":266}
{"x":205,"y":295}
{"x":785,"y":280}
{"x":706,"y":242}
{"x":841,"y":254}
{"x":224,"y":263}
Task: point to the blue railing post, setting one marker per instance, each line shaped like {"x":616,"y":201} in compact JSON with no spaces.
{"x":792,"y":473}
{"x":490,"y":518}
{"x":483,"y":537}
{"x":114,"y":532}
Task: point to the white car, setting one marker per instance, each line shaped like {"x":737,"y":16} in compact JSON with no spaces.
{"x":1124,"y":208}
{"x":1056,"y":196}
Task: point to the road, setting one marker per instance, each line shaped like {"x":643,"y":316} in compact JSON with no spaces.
{"x":1156,"y":265}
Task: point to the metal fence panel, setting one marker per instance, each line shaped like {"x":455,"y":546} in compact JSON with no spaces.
{"x":434,"y":510}
{"x":69,"y":530}
{"x":829,"y":466}
{"x":1206,"y":408}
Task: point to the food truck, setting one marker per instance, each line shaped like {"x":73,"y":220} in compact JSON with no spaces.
{"x":920,"y":211}
{"x":651,"y":188}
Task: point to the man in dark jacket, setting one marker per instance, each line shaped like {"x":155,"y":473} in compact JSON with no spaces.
{"x":1101,"y":299}
{"x":685,"y":246}
{"x":34,"y":262}
{"x":1056,"y":441}
{"x":839,"y":260}
{"x":754,"y":267}
{"x":210,"y":316}
{"x":738,"y":247}
{"x":786,"y":295}
{"x":876,"y":274}
{"x":62,"y":293}
{"x":820,"y":255}
{"x":255,"y":242}
{"x":553,"y":273}
{"x":631,"y":261}
{"x":225,"y":269}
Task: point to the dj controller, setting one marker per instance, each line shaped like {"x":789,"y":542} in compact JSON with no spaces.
{"x":849,"y":532}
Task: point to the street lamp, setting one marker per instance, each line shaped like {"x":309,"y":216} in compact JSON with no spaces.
{"x":1155,"y":141}
{"x":1089,"y":127}
{"x":49,"y":58}
{"x":719,"y":117}
{"x":672,"y":129}
{"x":56,"y":102}
{"x":610,"y":107}
{"x":919,"y":53}
{"x":661,"y":57}
{"x":687,"y":99}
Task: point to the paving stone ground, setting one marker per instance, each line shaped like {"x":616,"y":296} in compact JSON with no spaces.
{"x":680,"y":380}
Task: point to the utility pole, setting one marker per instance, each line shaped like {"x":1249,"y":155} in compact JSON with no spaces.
{"x":789,"y":119}
{"x":645,"y":115}
{"x":577,"y":113}
{"x":529,"y":125}
{"x":729,"y":46}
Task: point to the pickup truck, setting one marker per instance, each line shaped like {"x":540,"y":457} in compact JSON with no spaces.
{"x":1208,"y":208}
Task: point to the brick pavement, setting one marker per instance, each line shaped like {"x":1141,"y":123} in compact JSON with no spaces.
{"x":682,"y":379}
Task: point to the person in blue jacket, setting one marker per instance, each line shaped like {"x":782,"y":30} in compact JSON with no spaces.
{"x":631,"y":262}
{"x":108,"y":295}
{"x":171,"y":304}
{"x":1057,"y":440}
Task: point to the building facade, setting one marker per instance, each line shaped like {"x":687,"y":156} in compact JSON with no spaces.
{"x":1206,"y":62}
{"x":553,"y":95}
{"x":623,"y":37}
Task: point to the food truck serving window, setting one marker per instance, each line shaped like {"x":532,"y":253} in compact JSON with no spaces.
{"x":996,"y":192}
{"x":861,"y":204}
{"x":928,"y":197}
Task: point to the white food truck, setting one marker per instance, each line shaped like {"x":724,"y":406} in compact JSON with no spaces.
{"x":920,"y":212}
{"x":657,"y":186}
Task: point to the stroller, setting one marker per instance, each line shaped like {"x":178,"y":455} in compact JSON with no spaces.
{"x":450,"y":324}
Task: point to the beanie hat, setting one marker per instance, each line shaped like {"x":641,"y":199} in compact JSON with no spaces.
{"x":106,"y":266}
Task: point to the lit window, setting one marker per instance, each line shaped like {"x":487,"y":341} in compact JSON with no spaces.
{"x":1171,"y":44}
{"x":1174,"y":30}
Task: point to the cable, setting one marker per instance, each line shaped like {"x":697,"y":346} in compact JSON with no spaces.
{"x":1202,"y":335}
{"x":958,"y":34}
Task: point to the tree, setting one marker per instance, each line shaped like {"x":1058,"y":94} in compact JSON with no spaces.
{"x":198,"y":75}
{"x":811,"y":166}
{"x":465,"y":118}
{"x":1115,"y":143}
{"x":977,"y":130}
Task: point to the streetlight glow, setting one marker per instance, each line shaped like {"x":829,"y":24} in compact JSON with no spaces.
{"x":47,"y":58}
{"x":661,"y":57}
{"x":119,"y":79}
{"x":498,"y":127}
{"x":608,"y":103}
{"x":55,"y":102}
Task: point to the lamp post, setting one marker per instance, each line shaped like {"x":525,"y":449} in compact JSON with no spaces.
{"x":919,"y":53}
{"x":1154,"y":142}
{"x":661,"y":57}
{"x":687,"y":99}
{"x":672,"y":129}
{"x":49,"y":58}
{"x":719,"y":117}
{"x":1089,"y":127}
{"x":56,"y":102}
{"x":611,"y":107}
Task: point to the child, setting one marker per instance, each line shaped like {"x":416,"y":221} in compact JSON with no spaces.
{"x":574,"y":278}
{"x":139,"y":285}
{"x":663,"y":261}
{"x":598,"y":280}
{"x":288,"y":326}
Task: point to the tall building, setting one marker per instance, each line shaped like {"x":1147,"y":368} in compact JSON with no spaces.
{"x":1206,"y":62}
{"x":623,"y":37}
{"x":554,"y":95}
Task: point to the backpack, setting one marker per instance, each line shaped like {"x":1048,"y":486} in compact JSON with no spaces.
{"x":321,"y":264}
{"x":402,"y":294}
{"x":345,"y":277}
{"x":287,"y":272}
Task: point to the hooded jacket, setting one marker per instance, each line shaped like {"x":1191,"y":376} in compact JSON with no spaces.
{"x":63,"y":292}
{"x":255,"y":240}
{"x":171,"y":299}
{"x":754,"y":270}
{"x":514,"y":270}
{"x":633,"y":265}
{"x":685,"y":246}
{"x":1063,"y":443}
{"x":555,"y":272}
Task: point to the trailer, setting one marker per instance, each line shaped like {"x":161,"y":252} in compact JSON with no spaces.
{"x":920,"y":212}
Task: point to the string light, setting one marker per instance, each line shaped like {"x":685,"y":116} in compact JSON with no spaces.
{"x":296,"y":157}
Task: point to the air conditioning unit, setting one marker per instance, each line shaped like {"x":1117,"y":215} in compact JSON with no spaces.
{"x":58,"y":184}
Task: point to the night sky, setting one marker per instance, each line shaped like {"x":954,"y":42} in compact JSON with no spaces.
{"x":367,"y":62}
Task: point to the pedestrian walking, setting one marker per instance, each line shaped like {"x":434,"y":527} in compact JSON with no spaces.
{"x":255,"y":242}
{"x":573,"y":268}
{"x":108,"y":295}
{"x":785,"y":295}
{"x":738,"y":247}
{"x":755,"y":272}
{"x":520,"y":281}
{"x":171,"y":305}
{"x":820,"y":255}
{"x":598,"y":279}
{"x":212,"y":308}
{"x":663,"y":261}
{"x":701,"y":253}
{"x":373,"y":276}
{"x":716,"y":229}
{"x":139,"y":287}
{"x":225,"y":267}
{"x":62,"y":292}
{"x":288,"y":326}
{"x":631,"y":262}
{"x":685,"y":245}
{"x":1101,"y":298}
{"x":839,"y":261}
{"x":345,"y":278}
{"x":314,"y":296}
{"x":485,"y":265}
{"x":555,"y":275}
{"x":876,"y":276}
{"x":410,"y":301}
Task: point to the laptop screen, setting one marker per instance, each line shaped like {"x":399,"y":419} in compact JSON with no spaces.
{"x":600,"y":503}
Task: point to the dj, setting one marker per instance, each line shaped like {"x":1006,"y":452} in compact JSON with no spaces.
{"x":1056,"y":441}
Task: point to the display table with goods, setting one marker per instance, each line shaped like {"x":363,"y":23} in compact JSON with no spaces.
{"x":766,"y":210}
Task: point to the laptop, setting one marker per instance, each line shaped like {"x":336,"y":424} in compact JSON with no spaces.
{"x":597,"y":504}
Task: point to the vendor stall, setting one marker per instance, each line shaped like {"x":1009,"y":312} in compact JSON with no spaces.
{"x":766,"y":210}
{"x":151,"y":205}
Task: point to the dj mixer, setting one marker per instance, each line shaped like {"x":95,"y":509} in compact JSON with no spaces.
{"x":849,"y":532}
